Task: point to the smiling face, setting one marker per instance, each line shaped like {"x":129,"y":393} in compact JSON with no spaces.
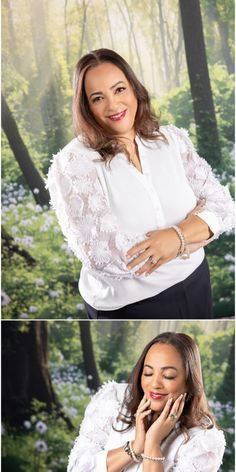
{"x":163,"y":375}
{"x":111,"y":99}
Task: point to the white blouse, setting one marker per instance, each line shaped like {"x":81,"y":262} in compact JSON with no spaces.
{"x":104,"y":210}
{"x":202,"y":452}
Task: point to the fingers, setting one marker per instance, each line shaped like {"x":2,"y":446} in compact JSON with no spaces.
{"x":142,"y":257}
{"x":138,"y":247}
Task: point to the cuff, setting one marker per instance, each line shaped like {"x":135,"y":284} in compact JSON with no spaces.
{"x":101,"y":461}
{"x":214,"y":222}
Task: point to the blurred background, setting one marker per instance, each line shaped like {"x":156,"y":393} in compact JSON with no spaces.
{"x":50,"y":369}
{"x":184,"y":59}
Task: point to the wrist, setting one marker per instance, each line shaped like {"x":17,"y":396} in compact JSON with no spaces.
{"x":152,"y":449}
{"x":137,"y":448}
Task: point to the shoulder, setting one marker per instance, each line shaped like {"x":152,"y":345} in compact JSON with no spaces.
{"x":174,"y":133}
{"x":110,"y":394}
{"x":75,"y":158}
{"x":208,"y":440}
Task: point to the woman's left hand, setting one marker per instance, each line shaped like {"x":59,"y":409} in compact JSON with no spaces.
{"x":164,"y":424}
{"x":160,"y":247}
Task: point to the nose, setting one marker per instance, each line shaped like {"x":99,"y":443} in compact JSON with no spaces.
{"x":157,"y":381}
{"x":112,"y":104}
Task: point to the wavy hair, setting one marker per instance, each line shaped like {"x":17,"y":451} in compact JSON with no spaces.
{"x":196,"y":411}
{"x":94,"y":136}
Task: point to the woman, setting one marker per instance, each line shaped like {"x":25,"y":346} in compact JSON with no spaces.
{"x":159,"y":422}
{"x":126,"y":194}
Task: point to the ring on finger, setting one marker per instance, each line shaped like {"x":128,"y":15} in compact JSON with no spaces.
{"x":153,"y":260}
{"x":173,"y":416}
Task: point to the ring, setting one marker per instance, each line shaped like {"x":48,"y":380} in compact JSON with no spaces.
{"x":173,"y":416}
{"x":153,"y":260}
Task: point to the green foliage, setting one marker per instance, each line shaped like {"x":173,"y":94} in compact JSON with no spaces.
{"x":49,"y":289}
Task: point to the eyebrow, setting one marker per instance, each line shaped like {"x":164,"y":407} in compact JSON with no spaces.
{"x":162,"y":368}
{"x":113,"y":86}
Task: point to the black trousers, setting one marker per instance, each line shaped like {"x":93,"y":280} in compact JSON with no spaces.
{"x":189,"y":299}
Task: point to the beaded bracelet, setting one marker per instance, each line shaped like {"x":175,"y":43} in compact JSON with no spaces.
{"x":183,"y":250}
{"x":153,"y":459}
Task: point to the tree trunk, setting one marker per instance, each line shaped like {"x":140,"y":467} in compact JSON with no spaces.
{"x":226,"y":391}
{"x":135,"y":42}
{"x":12,"y":248}
{"x":25,"y":372}
{"x":49,"y":92}
{"x":204,"y":112}
{"x":84,"y":19}
{"x":163,"y":44}
{"x":90,"y":367}
{"x":30,"y":173}
{"x":109,"y":24}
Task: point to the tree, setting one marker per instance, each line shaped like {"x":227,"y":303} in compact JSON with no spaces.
{"x":30,"y":173}
{"x":204,"y":112}
{"x":90,"y":367}
{"x":226,"y":391}
{"x":25,"y":371}
{"x":47,"y":86}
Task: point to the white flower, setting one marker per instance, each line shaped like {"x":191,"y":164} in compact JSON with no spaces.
{"x":100,"y":252}
{"x":76,"y":206}
{"x":36,"y":191}
{"x":80,"y":306}
{"x":87,"y":228}
{"x":41,"y":446}
{"x":5,"y":300}
{"x":41,"y":427}
{"x":39,"y":282}
{"x":53,"y":294}
{"x":14,"y":229}
{"x":27,"y":424}
{"x":96,"y":202}
{"x":33,"y":309}
{"x":23,"y":315}
{"x":108,"y":223}
{"x":89,"y":377}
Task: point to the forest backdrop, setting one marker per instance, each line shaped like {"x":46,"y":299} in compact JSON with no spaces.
{"x":182,"y":54}
{"x":51,"y":369}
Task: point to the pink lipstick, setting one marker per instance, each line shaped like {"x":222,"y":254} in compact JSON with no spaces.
{"x":157,"y":395}
{"x":118,"y":116}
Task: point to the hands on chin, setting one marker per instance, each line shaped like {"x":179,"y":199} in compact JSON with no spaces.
{"x":150,"y":438}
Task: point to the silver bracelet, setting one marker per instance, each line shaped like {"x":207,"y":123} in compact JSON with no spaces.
{"x":153,"y":459}
{"x":129,"y":450}
{"x":183,"y":250}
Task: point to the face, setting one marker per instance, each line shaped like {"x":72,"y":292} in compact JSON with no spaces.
{"x":111,"y":99}
{"x":163,"y":375}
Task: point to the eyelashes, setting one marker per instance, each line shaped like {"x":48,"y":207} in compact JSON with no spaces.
{"x":99,"y":98}
{"x":164,"y":376}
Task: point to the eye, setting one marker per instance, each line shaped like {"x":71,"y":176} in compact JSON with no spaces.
{"x":96,"y":99}
{"x":168,"y":378}
{"x":147,"y":375}
{"x":120,"y":89}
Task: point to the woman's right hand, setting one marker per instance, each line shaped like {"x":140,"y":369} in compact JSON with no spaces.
{"x":141,"y":425}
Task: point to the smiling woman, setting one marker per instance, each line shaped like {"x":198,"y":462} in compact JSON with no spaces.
{"x":135,"y":201}
{"x":159,"y":422}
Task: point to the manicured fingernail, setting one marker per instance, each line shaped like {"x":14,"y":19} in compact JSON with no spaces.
{"x":129,"y":266}
{"x":181,"y":396}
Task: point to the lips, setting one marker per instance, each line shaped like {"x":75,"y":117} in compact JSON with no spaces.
{"x":157,"y":395}
{"x":118,"y":116}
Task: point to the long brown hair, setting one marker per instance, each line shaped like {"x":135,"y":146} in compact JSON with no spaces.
{"x":94,"y":136}
{"x":196,"y":410}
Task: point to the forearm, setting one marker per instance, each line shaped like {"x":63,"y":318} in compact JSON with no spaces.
{"x":149,"y":465}
{"x":195,"y":229}
{"x":117,"y":460}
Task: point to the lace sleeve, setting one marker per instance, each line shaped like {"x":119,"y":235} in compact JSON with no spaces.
{"x":87,"y":454}
{"x":84,"y":215}
{"x":218,"y":211}
{"x":204,"y":451}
